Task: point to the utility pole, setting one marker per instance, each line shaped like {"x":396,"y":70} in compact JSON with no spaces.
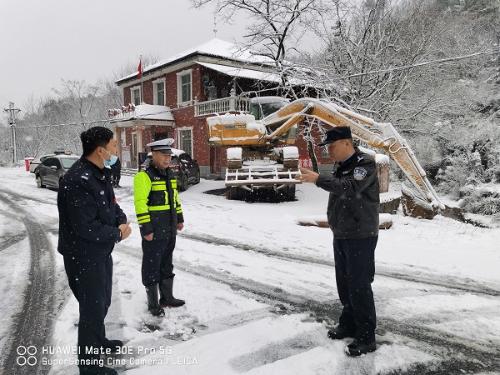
{"x":12,"y":111}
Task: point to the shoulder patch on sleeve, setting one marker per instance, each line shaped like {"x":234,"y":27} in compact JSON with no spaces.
{"x":359,"y":173}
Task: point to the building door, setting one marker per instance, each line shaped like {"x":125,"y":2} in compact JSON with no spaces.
{"x":134,"y":150}
{"x":214,"y":160}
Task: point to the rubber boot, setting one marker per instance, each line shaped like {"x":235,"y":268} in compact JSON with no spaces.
{"x":153,"y":305}
{"x":167,"y":299}
{"x":340,"y":332}
{"x":359,"y":347}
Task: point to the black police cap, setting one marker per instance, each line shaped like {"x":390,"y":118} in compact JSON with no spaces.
{"x":335,"y":134}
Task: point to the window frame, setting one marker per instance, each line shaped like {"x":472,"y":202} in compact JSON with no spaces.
{"x":179,"y":140}
{"x":179,"y":87}
{"x":132,"y":89}
{"x":155,"y":91}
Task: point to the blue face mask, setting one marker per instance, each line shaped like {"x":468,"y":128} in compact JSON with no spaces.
{"x":112,"y":160}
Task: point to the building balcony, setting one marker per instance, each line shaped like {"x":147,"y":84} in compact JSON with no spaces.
{"x":223,"y":105}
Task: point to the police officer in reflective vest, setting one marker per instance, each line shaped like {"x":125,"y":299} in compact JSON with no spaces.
{"x":159,"y":214}
{"x":353,"y":217}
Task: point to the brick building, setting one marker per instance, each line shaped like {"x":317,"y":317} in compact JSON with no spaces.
{"x":174,"y":97}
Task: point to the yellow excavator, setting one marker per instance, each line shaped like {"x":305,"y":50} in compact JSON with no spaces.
{"x":261,"y":152}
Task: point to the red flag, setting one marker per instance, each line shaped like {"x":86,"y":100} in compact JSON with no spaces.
{"x":139,"y":68}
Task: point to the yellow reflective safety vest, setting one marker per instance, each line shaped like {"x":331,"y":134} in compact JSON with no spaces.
{"x":157,"y":204}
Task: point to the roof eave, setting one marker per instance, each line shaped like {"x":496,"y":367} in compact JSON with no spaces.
{"x":186,"y":57}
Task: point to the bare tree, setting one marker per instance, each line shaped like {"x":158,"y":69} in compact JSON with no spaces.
{"x":274,"y":24}
{"x":56,"y":122}
{"x":79,"y":95}
{"x":275,"y":28}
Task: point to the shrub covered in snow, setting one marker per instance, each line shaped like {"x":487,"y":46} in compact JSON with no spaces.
{"x":484,"y":200}
{"x":471,"y":159}
{"x":460,"y":169}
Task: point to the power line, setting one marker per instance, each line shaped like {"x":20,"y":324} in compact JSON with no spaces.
{"x":65,"y":124}
{"x":325,"y":69}
{"x":418,"y":65}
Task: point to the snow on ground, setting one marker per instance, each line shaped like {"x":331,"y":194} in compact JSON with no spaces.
{"x":15,"y":254}
{"x":225,"y":330}
{"x":294,"y":347}
{"x":441,"y":246}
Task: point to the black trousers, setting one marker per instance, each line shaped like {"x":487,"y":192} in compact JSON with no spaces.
{"x":354,"y":272}
{"x":157,"y":260}
{"x":91,"y":282}
{"x":115,"y":179}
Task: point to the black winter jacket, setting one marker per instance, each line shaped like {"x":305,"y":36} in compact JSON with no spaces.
{"x":353,"y":206}
{"x":88,"y":213}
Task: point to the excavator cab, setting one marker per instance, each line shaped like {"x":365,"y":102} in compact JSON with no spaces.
{"x":261,"y":107}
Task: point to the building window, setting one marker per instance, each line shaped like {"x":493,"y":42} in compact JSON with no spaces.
{"x":135,"y":95}
{"x":159,"y":92}
{"x":184,"y":87}
{"x":186,"y":140}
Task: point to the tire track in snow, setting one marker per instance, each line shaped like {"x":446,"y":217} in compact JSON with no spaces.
{"x":52,"y":201}
{"x":12,"y":240}
{"x":448,"y":282}
{"x":216,"y":324}
{"x":33,"y":324}
{"x":467,"y":354}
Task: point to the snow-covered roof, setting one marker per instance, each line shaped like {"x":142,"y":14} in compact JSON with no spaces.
{"x":254,"y":74}
{"x":145,"y":112}
{"x":243,"y":72}
{"x":214,"y":47}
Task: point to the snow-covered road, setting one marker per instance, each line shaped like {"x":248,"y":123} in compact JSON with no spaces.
{"x":260,"y":290}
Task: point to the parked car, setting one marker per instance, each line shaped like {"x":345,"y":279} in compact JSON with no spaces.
{"x":36,"y":162}
{"x":185,"y":168}
{"x":52,"y":168}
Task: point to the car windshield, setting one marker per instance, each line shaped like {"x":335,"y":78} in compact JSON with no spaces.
{"x":68,"y":162}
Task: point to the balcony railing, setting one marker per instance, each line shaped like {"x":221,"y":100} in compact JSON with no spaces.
{"x":223,"y":105}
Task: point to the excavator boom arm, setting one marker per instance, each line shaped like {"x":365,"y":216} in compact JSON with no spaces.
{"x":378,"y":135}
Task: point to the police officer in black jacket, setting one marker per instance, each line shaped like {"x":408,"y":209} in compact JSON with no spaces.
{"x":116,"y":173}
{"x":353,"y":208}
{"x":90,"y":224}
